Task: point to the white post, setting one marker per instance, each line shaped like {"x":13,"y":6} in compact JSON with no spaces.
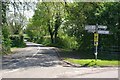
{"x":96,"y":53}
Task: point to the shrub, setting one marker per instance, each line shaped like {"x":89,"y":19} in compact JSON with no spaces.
{"x":6,"y":46}
{"x":61,"y":42}
{"x":68,"y":42}
{"x":17,"y":41}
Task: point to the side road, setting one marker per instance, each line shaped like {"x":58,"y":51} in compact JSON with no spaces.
{"x":37,"y":61}
{"x":33,"y":55}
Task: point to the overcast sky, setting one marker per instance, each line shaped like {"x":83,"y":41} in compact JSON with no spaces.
{"x":28,"y":13}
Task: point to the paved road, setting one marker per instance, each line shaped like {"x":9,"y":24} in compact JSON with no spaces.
{"x":36,"y":61}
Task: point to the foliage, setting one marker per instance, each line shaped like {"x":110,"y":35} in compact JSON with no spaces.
{"x":5,"y":31}
{"x":6,"y":42}
{"x":111,"y":18}
{"x":11,"y":24}
{"x":15,"y":21}
{"x":105,"y":14}
{"x":75,"y":22}
{"x":65,"y":41}
{"x":17,"y":41}
{"x":35,"y":32}
{"x":48,"y":18}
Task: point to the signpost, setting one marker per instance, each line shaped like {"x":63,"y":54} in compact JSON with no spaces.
{"x":90,"y":27}
{"x":102,"y":27}
{"x":96,"y":29}
{"x":103,"y":32}
{"x":91,"y":30}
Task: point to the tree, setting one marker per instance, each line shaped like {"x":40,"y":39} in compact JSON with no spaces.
{"x":75,"y":22}
{"x":16,"y":23}
{"x":110,"y":17}
{"x":49,"y":15}
{"x":106,"y":14}
{"x":13,"y":22}
{"x":5,"y":30}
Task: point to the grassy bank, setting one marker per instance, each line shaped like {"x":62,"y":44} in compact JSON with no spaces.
{"x":92,"y":62}
{"x":87,"y":59}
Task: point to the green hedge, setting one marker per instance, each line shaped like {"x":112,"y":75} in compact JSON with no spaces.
{"x":61,"y":42}
{"x":17,"y":41}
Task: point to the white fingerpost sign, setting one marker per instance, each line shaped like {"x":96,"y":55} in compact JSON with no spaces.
{"x":103,"y":32}
{"x":102,"y":27}
{"x":96,"y":29}
{"x":90,"y":27}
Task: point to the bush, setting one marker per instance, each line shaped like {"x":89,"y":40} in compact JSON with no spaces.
{"x":17,"y":41}
{"x":46,"y":41}
{"x":68,"y":42}
{"x":61,"y":42}
{"x":6,"y":46}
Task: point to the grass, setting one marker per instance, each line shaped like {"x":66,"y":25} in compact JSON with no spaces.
{"x":92,"y":62}
{"x":87,"y":59}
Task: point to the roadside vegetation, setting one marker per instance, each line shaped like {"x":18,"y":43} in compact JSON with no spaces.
{"x":93,"y":63}
{"x":88,"y":60}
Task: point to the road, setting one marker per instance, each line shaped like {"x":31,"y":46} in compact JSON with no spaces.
{"x":37,"y":61}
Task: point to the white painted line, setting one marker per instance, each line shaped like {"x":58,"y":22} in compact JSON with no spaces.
{"x":38,"y":49}
{"x":10,"y":71}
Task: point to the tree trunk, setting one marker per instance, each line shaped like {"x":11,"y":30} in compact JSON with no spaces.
{"x":50,"y":31}
{"x":57,"y":25}
{"x":55,"y":35}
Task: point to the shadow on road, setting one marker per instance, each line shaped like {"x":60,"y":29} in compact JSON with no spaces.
{"x":44,"y":57}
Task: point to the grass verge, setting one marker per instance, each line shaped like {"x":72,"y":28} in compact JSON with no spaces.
{"x":92,"y":62}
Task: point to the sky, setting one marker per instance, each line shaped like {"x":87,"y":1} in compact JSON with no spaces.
{"x":28,"y":13}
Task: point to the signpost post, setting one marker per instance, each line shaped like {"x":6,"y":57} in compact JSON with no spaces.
{"x":96,"y":41}
{"x":96,"y":29}
{"x":96,"y":44}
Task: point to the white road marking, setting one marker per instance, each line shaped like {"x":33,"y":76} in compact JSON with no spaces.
{"x":36,"y":52}
{"x":10,"y":71}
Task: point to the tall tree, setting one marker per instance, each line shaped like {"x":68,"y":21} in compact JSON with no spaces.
{"x":49,"y":15}
{"x":5,"y":31}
